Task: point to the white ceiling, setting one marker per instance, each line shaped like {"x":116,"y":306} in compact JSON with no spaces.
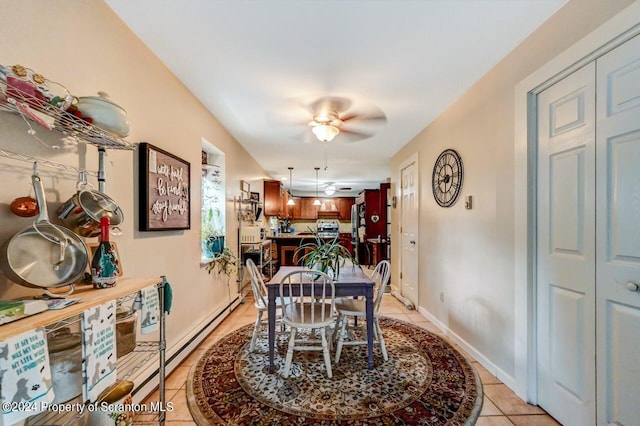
{"x":252,"y":64}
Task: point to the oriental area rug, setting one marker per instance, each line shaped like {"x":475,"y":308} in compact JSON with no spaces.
{"x":424,"y":382}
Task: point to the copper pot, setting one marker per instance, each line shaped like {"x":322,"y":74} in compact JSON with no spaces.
{"x":24,"y":207}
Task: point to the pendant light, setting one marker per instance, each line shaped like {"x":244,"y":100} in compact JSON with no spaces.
{"x":290,"y":202}
{"x":317,"y":201}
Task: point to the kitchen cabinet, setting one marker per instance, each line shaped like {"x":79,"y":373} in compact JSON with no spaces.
{"x":273,"y":196}
{"x":287,"y":210}
{"x":307,"y":210}
{"x":276,"y":198}
{"x":371,"y":223}
{"x":344,"y":207}
{"x":130,"y":366}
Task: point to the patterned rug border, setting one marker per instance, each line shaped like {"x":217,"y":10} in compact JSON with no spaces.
{"x":202,"y":420}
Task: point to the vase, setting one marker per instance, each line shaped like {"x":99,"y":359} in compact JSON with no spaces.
{"x":213,"y":246}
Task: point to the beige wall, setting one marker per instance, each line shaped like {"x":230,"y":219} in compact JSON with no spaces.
{"x":468,"y":254}
{"x":84,"y":45}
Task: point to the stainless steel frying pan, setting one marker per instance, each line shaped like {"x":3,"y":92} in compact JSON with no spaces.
{"x":44,"y":255}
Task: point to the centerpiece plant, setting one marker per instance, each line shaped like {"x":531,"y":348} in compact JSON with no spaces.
{"x":325,"y":255}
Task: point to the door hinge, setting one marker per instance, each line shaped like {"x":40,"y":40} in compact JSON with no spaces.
{"x":400,"y":275}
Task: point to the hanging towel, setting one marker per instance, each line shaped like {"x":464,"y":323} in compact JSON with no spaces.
{"x":98,"y":349}
{"x":25,"y":375}
{"x":150,"y":310}
{"x":168,"y":297}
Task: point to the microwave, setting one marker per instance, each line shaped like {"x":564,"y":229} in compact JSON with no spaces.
{"x":252,"y":234}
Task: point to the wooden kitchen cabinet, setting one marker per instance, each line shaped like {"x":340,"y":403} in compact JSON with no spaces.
{"x":288,"y":211}
{"x":273,"y":198}
{"x":307,"y":210}
{"x":344,"y":207}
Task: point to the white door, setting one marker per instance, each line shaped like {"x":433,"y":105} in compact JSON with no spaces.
{"x":409,"y":232}
{"x":566,"y":249}
{"x":618,"y":235}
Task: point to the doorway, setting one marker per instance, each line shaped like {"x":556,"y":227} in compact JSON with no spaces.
{"x":409,"y":187}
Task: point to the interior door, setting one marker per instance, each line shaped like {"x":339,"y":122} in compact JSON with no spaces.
{"x":566,"y":249}
{"x":618,"y":235}
{"x":409,"y":232}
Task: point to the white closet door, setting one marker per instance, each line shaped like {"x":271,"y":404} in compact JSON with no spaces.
{"x":618,"y":235}
{"x":409,"y":233}
{"x":566,"y":249}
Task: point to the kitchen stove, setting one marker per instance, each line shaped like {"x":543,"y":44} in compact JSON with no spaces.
{"x":328,"y":227}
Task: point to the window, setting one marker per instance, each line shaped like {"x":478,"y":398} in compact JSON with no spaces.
{"x":213,"y":228}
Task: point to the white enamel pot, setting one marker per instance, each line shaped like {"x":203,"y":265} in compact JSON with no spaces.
{"x":105,"y":113}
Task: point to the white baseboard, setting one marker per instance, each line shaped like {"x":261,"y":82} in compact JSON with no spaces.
{"x":477,"y":355}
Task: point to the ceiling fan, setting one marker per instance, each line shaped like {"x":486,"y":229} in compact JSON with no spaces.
{"x":333,"y":116}
{"x":331,"y":188}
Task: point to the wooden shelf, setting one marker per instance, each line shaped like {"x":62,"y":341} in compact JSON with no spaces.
{"x":90,"y":297}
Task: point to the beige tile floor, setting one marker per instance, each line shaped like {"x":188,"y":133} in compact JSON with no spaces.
{"x":501,"y":406}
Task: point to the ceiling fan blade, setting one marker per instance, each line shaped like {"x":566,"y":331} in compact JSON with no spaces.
{"x":361,"y":117}
{"x":349,"y":136}
{"x":328,"y":103}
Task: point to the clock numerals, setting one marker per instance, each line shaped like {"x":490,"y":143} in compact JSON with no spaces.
{"x":446,"y":179}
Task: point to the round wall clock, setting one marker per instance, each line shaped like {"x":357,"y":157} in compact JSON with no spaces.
{"x":446,"y":179}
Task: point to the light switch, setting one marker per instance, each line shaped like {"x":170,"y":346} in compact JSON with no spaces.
{"x":468,"y":202}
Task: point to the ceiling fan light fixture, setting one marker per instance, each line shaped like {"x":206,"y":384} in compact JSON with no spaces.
{"x":325,"y":132}
{"x":330,"y":190}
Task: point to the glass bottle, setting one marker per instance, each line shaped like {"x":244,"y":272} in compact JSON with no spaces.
{"x":104,"y":264}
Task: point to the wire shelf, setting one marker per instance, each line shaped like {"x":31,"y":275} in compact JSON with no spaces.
{"x":43,"y":162}
{"x":39,"y":110}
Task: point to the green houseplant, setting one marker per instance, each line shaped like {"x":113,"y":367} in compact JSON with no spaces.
{"x":224,"y":262}
{"x":212,"y":235}
{"x":325,"y":255}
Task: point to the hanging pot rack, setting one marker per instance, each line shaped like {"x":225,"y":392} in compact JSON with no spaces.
{"x":44,"y":162}
{"x":38,"y":109}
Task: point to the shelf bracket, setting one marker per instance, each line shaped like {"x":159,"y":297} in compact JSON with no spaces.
{"x":102,"y":175}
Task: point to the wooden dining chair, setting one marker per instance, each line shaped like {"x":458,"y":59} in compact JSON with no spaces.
{"x":356,"y":308}
{"x":313,"y":311}
{"x":259,"y":290}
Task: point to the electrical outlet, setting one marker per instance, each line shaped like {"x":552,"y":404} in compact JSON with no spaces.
{"x":442,"y":296}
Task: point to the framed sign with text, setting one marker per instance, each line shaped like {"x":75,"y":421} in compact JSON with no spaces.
{"x":164,"y":196}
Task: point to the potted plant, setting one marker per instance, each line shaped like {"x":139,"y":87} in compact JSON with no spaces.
{"x":224,"y":262}
{"x":325,"y":255}
{"x":212,"y":236}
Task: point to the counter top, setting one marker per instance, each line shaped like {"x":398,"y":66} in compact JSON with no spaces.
{"x":90,"y":297}
{"x":296,"y":236}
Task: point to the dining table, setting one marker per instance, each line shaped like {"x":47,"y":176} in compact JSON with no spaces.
{"x":350,"y":282}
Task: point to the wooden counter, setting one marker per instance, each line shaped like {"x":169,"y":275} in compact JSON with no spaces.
{"x":90,"y":297}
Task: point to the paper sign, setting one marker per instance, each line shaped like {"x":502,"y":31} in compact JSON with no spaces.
{"x":98,"y":349}
{"x":25,"y":376}
{"x":150,"y":310}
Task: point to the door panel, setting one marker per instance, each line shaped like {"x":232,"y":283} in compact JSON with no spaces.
{"x":567,"y":309}
{"x":566,"y":249}
{"x":566,"y":207}
{"x":618,"y":234}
